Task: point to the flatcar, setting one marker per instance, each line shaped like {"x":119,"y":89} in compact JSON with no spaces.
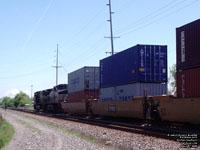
{"x":158,"y":108}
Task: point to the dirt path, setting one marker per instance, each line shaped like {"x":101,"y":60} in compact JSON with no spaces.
{"x":34,"y":135}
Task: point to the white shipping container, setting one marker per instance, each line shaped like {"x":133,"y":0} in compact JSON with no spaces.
{"x":86,"y":78}
{"x":27,"y":106}
{"x":129,"y":91}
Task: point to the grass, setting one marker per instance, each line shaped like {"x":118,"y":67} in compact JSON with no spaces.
{"x":90,"y":139}
{"x":30,"y":126}
{"x":31,"y":118}
{"x":80,"y":135}
{"x":6,"y":133}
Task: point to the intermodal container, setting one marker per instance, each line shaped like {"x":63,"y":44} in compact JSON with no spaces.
{"x":130,"y":91}
{"x":86,"y":78}
{"x":188,"y":83}
{"x":141,"y":63}
{"x":188,"y":46}
{"x":83,"y":96}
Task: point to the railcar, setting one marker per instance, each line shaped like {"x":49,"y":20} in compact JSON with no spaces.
{"x":49,"y":100}
{"x":158,"y":108}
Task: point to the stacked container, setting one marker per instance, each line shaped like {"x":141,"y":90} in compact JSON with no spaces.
{"x":129,"y":73}
{"x":83,"y":84}
{"x":188,"y":60}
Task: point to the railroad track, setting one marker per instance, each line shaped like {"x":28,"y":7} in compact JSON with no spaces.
{"x":171,"y":131}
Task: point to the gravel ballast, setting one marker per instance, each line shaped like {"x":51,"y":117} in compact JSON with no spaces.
{"x":38,"y":132}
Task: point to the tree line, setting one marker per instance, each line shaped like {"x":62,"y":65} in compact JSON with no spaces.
{"x":18,"y":101}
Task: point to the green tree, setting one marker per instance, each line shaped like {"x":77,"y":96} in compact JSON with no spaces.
{"x":11,"y":103}
{"x":7,"y":101}
{"x":21,"y":99}
{"x":172,"y":80}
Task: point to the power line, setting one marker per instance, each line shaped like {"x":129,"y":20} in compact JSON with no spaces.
{"x":161,"y":18}
{"x":60,"y":53}
{"x":24,"y":75}
{"x":83,"y":50}
{"x":152,"y":15}
{"x":125,"y":7}
{"x":89,"y":35}
{"x":94,"y":49}
{"x":80,"y":55}
{"x":63,"y":67}
{"x":83,"y":29}
{"x":90,"y":21}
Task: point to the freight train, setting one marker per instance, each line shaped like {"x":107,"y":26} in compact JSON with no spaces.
{"x":133,"y":84}
{"x":159,"y":108}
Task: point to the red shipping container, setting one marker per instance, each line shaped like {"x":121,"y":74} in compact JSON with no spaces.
{"x":188,"y":83}
{"x":188,"y":46}
{"x":83,"y":95}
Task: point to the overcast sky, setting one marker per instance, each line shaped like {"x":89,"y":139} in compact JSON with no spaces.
{"x":31,"y":29}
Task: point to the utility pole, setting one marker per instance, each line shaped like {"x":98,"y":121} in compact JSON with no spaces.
{"x":56,"y":66}
{"x":111,"y":30}
{"x":31,"y":91}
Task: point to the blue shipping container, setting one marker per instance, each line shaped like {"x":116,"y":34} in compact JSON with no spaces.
{"x":141,"y":63}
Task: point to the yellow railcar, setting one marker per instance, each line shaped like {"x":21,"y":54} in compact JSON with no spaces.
{"x":128,"y":109}
{"x":185,"y":110}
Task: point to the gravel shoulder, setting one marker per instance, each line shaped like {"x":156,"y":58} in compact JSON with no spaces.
{"x":38,"y":132}
{"x":35,"y":135}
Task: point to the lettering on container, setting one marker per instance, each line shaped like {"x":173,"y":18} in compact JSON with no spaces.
{"x":112,"y":109}
{"x":183,"y":46}
{"x":142,"y":58}
{"x":141,"y":69}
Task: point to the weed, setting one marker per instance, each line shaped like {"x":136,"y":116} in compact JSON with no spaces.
{"x":6,"y":133}
{"x":29,"y":126}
